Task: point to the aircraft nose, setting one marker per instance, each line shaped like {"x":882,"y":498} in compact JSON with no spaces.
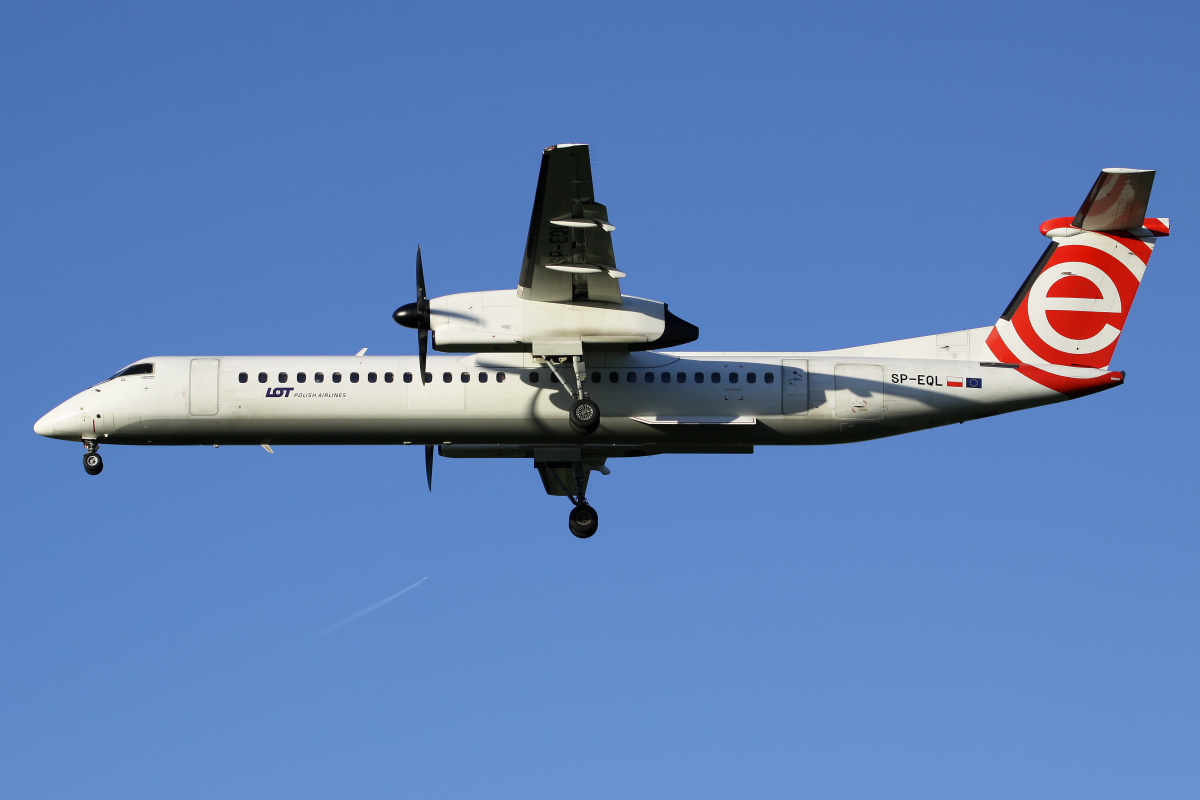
{"x":45,"y":425}
{"x":62,"y":420}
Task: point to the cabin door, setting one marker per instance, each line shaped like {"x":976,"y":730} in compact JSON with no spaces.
{"x":202,"y":389}
{"x":795,"y":386}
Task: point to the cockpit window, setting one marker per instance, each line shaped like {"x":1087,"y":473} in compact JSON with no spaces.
{"x":136,"y":369}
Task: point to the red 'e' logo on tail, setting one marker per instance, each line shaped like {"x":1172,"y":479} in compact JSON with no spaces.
{"x":1074,"y":311}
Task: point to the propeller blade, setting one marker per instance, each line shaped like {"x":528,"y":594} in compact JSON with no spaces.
{"x":422,"y":347}
{"x":416,"y":315}
{"x":420,"y":277}
{"x":422,"y":323}
{"x":429,"y":466}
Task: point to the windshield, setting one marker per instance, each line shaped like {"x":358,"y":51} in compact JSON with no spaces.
{"x":136,"y":369}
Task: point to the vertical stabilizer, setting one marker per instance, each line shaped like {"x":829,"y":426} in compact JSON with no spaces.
{"x":1069,"y":313}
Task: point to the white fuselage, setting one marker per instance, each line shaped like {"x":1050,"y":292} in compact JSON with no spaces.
{"x":668,"y":401}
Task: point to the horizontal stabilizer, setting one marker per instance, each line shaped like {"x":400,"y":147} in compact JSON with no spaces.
{"x":1117,"y":201}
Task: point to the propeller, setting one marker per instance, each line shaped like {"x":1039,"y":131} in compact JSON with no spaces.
{"x":416,"y":315}
{"x":429,"y":466}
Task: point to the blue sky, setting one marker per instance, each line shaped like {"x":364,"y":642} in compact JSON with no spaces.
{"x":1004,"y":608}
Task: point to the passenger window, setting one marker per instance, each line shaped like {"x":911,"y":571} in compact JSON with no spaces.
{"x":649,"y":377}
{"x":262,"y":377}
{"x":733,"y":377}
{"x":408,"y":377}
{"x":681,"y":377}
{"x":465,"y":377}
{"x":354,"y":377}
{"x":751,"y":377}
{"x":554,"y":377}
{"x":534,"y":377}
{"x":499,"y":377}
{"x":595,"y":377}
{"x":666,"y":377}
{"x":337,"y":377}
{"x":283,"y":377}
{"x":372,"y":377}
{"x":429,"y":377}
{"x":699,"y":377}
{"x":631,"y":377}
{"x":319,"y":377}
{"x":769,"y":377}
{"x":447,"y":377}
{"x":301,"y":377}
{"x":716,"y":377}
{"x":614,"y":377}
{"x":483,"y":377}
{"x":243,"y":377}
{"x":388,"y":377}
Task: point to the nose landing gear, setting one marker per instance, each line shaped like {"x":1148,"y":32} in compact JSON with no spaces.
{"x":92,"y":463}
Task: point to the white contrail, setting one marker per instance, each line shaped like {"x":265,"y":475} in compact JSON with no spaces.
{"x":364,"y":612}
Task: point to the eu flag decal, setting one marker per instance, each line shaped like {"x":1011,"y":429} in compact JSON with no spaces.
{"x":974,"y":383}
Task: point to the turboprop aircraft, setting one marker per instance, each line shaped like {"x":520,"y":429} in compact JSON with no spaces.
{"x":569,"y":372}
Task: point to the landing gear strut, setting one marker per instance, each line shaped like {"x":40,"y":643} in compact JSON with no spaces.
{"x":584,"y":415}
{"x":92,"y":463}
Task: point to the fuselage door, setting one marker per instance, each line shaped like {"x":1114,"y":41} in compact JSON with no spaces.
{"x":795,"y":386}
{"x":859,"y":391}
{"x":202,"y":389}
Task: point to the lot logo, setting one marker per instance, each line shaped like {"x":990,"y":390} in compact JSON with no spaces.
{"x":280,"y":391}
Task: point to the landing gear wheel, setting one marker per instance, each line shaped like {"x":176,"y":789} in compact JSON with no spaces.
{"x":584,"y":416}
{"x":92,"y":463}
{"x":584,"y":520}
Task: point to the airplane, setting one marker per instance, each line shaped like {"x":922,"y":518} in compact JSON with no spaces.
{"x":533,"y":368}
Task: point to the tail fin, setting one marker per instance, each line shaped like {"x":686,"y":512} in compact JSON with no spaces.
{"x":1071,"y":309}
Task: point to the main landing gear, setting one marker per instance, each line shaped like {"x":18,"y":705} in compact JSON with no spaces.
{"x":583,"y":520}
{"x":584,"y":414}
{"x":557,"y":476}
{"x":92,"y":463}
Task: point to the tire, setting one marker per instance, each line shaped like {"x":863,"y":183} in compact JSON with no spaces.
{"x":584,"y":416}
{"x":92,"y":463}
{"x":584,"y":520}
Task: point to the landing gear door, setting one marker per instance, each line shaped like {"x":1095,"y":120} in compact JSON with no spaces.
{"x":795,"y":386}
{"x":202,"y":389}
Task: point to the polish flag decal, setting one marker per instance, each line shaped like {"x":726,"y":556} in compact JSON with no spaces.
{"x":955,"y":382}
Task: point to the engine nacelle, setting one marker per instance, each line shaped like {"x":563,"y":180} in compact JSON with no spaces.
{"x":474,"y":322}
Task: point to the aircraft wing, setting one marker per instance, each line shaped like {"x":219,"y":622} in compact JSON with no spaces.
{"x":569,"y":252}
